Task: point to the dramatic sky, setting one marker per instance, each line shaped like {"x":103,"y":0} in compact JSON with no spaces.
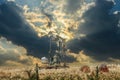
{"x":88,"y":26}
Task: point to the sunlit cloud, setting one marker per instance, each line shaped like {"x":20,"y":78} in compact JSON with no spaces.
{"x":11,"y":54}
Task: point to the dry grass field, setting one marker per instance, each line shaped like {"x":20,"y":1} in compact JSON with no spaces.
{"x":72,"y":73}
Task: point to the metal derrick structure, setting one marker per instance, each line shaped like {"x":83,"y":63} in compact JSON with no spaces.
{"x":60,"y":53}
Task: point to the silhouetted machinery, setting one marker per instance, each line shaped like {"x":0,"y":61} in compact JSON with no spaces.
{"x":57,"y":59}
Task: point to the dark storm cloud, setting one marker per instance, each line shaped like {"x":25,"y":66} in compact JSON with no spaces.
{"x":14,"y":27}
{"x":73,"y":5}
{"x":102,"y":32}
